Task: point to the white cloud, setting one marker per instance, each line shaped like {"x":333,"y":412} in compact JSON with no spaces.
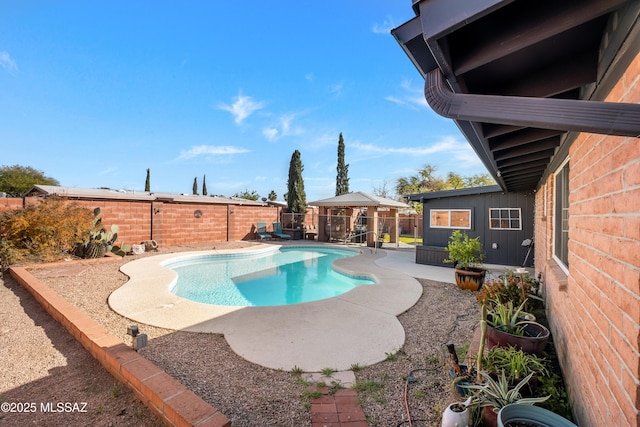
{"x":411,"y":96}
{"x":284,"y":127}
{"x":270,"y":133}
{"x":336,"y":89}
{"x":199,"y":150}
{"x":242,"y":107}
{"x":309,"y":76}
{"x":108,"y":171}
{"x":384,"y":28}
{"x":7,"y":63}
{"x":449,"y":145}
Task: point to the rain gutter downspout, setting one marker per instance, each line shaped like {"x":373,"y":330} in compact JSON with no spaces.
{"x":608,"y":118}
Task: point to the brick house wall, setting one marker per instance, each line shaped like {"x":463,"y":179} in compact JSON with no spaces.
{"x":594,"y":309}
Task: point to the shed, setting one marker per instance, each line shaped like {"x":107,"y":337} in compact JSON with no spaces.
{"x":503,"y":221}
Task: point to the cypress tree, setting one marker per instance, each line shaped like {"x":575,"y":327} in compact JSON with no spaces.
{"x":195,"y":186}
{"x":204,"y":185}
{"x":342,"y":178}
{"x":296,"y":197}
{"x":147,"y":182}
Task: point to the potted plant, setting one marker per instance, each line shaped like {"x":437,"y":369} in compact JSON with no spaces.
{"x":515,"y":415}
{"x":494,"y":394}
{"x":456,"y":414}
{"x":507,"y":326}
{"x":515,"y":363}
{"x":466,"y":254}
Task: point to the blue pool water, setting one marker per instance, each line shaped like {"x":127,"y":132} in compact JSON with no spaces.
{"x":287,"y":276}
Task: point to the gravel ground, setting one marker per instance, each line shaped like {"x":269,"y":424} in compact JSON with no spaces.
{"x":45,"y":363}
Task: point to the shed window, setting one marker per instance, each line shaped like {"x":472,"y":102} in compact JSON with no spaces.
{"x":505,"y":219}
{"x":450,"y":218}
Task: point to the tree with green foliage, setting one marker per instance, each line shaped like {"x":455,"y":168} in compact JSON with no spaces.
{"x":342,"y":178}
{"x":204,"y":185}
{"x":147,"y":182}
{"x":253,"y":195}
{"x":272,"y":196}
{"x":194,"y":189}
{"x":426,"y":181}
{"x":296,"y":197}
{"x":16,"y":180}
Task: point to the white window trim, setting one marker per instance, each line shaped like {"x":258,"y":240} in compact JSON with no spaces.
{"x":450,"y":226}
{"x":554,"y":223}
{"x":508,"y":228}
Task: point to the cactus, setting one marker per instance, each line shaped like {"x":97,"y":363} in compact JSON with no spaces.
{"x":101,"y":241}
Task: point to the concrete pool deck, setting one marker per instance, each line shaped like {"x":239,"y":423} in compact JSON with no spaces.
{"x":358,"y":327}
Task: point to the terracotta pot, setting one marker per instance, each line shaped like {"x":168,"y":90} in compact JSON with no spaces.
{"x":470,"y":279}
{"x":533,"y":342}
{"x":489,"y":417}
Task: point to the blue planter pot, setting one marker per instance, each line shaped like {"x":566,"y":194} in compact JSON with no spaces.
{"x":533,"y":415}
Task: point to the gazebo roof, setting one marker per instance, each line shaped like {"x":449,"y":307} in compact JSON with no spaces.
{"x":359,"y":199}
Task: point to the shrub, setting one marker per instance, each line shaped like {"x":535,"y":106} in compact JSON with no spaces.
{"x":45,"y":231}
{"x":512,"y":288}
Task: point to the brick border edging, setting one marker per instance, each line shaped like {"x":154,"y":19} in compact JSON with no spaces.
{"x":165,"y":396}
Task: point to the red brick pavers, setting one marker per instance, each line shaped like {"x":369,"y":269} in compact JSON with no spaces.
{"x":340,"y":409}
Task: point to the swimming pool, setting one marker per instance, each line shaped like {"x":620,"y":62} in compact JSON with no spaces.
{"x":286,"y":276}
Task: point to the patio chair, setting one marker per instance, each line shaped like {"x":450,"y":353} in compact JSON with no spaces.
{"x":261,"y":231}
{"x":277,"y":231}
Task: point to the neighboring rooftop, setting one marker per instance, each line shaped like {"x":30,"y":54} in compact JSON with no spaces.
{"x":102,"y":193}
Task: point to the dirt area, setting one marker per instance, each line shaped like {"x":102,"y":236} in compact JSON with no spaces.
{"x":45,"y":364}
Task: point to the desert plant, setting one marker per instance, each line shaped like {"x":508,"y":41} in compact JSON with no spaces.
{"x":498,"y":393}
{"x":464,"y":252}
{"x":512,"y":288}
{"x":100,"y":241}
{"x":507,"y":318}
{"x":44,"y":231}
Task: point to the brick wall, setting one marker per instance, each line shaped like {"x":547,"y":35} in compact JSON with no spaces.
{"x":594,"y":310}
{"x":10,"y":203}
{"x":173,"y":224}
{"x":407,"y":222}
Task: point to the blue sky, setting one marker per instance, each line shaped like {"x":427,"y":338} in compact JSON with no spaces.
{"x":94,"y":93}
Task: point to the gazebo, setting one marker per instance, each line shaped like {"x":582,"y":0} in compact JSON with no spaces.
{"x":356,"y":215}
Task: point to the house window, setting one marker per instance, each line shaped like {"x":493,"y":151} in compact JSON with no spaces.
{"x":561,"y":214}
{"x":450,"y":218}
{"x":505,"y":219}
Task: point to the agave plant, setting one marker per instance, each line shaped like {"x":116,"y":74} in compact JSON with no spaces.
{"x":507,"y":318}
{"x":499,"y":393}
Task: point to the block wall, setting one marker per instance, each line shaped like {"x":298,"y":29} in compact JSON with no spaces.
{"x":243,"y":220}
{"x":176,"y":224}
{"x":594,"y":308}
{"x":10,"y":203}
{"x":172,"y":224}
{"x":409,"y":223}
